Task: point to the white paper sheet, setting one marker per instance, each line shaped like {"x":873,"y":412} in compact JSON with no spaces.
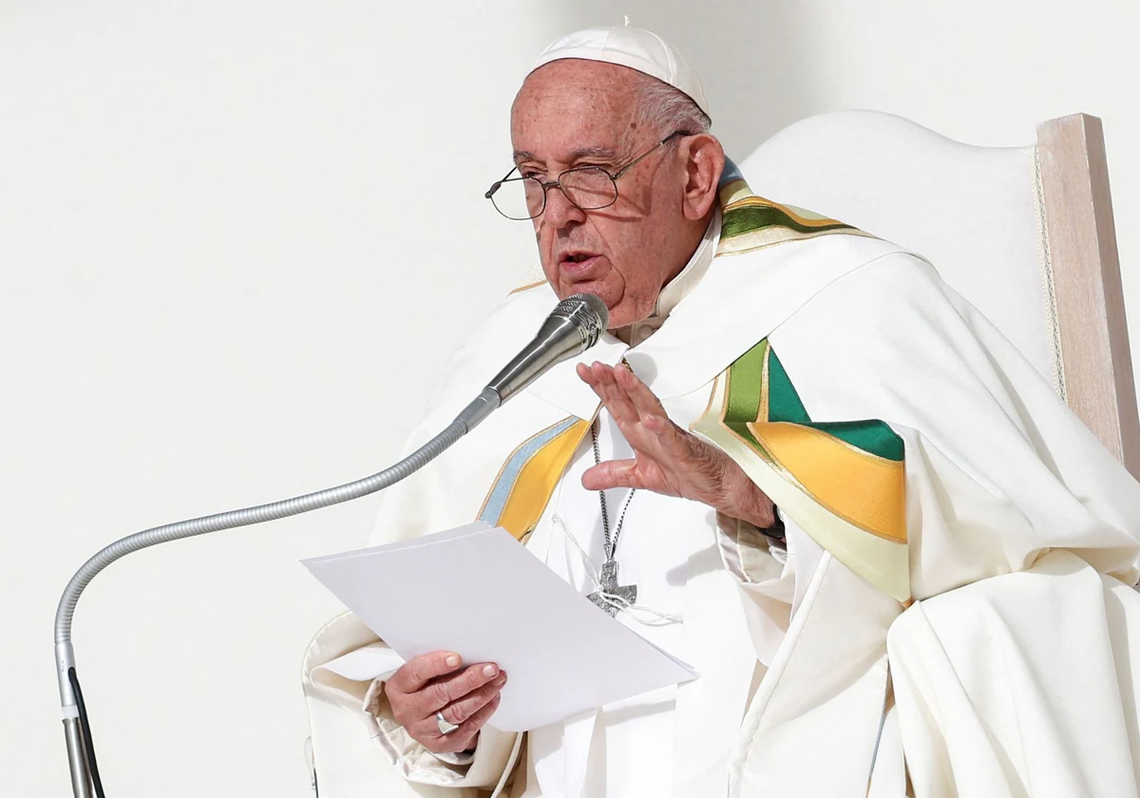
{"x":476,"y":591}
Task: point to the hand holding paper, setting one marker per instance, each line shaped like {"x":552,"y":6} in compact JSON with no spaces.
{"x":563,"y":654}
{"x":465,"y":695}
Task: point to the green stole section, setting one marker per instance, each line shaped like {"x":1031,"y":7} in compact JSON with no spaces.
{"x":750,"y":222}
{"x":758,"y":375}
{"x":750,"y":218}
{"x":873,"y":437}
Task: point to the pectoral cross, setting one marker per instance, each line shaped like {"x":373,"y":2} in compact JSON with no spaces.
{"x":610,"y":586}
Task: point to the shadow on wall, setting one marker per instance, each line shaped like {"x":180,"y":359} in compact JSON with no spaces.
{"x":746,"y":51}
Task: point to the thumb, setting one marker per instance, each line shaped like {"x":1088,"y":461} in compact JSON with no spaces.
{"x":611,"y":474}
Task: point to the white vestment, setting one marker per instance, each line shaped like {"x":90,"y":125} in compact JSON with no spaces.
{"x":991,"y":650}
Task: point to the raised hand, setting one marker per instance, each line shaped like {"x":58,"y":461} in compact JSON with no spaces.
{"x":668,"y":459}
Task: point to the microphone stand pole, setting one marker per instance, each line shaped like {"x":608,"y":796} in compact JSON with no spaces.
{"x":85,"y":779}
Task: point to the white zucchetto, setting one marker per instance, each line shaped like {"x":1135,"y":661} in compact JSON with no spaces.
{"x":630,"y":47}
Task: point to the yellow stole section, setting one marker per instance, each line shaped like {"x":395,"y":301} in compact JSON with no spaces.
{"x":862,"y":488}
{"x":526,"y":481}
{"x":843,"y":483}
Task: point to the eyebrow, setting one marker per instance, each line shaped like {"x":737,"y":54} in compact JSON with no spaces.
{"x":602,"y":153}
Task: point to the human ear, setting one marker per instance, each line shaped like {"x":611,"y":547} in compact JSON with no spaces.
{"x":704,"y":161}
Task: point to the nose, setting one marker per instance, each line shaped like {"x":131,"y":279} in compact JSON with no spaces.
{"x":560,"y":211}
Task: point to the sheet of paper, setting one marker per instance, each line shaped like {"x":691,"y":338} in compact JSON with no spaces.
{"x":476,"y":591}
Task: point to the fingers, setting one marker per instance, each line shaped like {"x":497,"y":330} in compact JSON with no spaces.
{"x":418,"y":671}
{"x":464,"y":738}
{"x":469,"y":713}
{"x":476,"y":722}
{"x":465,"y":708}
{"x":642,"y":420}
{"x":600,"y":377}
{"x":437,"y":695}
{"x":673,"y":443}
{"x":415,"y":695}
{"x":643,"y":399}
{"x":625,"y":396}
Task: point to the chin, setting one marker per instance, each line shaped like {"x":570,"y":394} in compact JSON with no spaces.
{"x":563,"y":290}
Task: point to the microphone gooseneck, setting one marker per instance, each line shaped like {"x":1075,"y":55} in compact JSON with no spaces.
{"x":572,"y":327}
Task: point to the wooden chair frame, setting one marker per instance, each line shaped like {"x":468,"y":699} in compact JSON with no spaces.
{"x":1083,"y":271}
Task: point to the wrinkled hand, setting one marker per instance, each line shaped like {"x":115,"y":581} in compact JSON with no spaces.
{"x":436,"y":682}
{"x":668,"y":459}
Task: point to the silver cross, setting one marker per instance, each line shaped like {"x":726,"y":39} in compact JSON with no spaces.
{"x":610,"y":586}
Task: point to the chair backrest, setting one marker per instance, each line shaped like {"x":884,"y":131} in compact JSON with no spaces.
{"x":1024,"y":233}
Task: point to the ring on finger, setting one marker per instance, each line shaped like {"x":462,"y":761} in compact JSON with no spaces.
{"x":445,"y":726}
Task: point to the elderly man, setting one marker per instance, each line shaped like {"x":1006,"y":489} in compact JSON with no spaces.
{"x":798,"y":461}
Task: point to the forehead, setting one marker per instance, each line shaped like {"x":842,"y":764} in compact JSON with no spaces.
{"x":570,"y":104}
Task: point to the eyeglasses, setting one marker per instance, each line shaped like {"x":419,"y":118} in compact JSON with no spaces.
{"x":588,"y":187}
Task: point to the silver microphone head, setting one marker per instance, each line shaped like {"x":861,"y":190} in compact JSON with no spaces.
{"x":575,"y":324}
{"x":587,"y":313}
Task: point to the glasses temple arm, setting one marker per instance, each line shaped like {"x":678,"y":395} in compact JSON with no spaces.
{"x":498,"y":183}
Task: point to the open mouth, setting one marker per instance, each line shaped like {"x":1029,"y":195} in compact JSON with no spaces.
{"x":577,"y":262}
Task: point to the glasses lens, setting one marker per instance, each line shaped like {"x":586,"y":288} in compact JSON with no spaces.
{"x":589,"y":187}
{"x":519,"y":198}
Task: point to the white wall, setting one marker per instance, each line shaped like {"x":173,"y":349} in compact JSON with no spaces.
{"x":237,"y":239}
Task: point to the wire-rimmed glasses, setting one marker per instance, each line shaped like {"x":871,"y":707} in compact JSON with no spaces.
{"x":589,"y":187}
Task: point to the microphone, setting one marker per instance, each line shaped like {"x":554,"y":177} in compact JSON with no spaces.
{"x":572,"y":327}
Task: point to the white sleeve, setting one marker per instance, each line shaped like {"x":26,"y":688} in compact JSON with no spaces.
{"x":772,"y":576}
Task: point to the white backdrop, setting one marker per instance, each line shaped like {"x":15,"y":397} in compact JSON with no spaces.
{"x":238,"y":239}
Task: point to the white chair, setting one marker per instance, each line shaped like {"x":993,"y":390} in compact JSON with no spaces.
{"x":1024,"y":233}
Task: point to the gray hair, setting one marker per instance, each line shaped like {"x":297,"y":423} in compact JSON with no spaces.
{"x":665,"y":109}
